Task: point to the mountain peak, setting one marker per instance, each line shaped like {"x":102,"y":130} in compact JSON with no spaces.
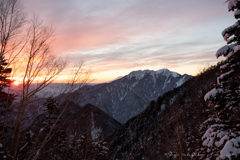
{"x":167,"y":72}
{"x":126,"y":97}
{"x":139,"y":74}
{"x":163,"y":70}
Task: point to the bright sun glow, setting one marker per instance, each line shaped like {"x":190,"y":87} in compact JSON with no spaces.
{"x":16,"y":83}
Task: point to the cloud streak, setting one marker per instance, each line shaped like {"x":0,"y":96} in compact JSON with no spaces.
{"x":112,"y":35}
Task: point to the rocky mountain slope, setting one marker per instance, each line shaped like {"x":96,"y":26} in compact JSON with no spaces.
{"x":128,"y":96}
{"x":169,"y":126}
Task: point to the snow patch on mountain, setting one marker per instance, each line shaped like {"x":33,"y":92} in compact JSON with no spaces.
{"x":174,"y":74}
{"x":142,"y":73}
{"x":138,"y":74}
{"x":126,"y":97}
{"x":181,"y":81}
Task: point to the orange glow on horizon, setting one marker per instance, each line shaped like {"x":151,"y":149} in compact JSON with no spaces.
{"x":16,"y":83}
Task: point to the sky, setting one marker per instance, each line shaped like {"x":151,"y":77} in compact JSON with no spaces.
{"x":115,"y":37}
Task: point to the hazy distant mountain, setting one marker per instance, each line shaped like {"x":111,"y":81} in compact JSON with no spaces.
{"x":128,"y":96}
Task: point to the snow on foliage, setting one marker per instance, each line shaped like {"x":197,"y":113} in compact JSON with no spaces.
{"x":236,"y":48}
{"x":224,"y":66}
{"x":231,"y":148}
{"x":237,"y":14}
{"x":229,"y":55}
{"x":213,"y":93}
{"x":214,"y":131}
{"x":228,"y":32}
{"x":209,"y":120}
{"x":225,"y":50}
{"x":223,"y":76}
{"x":223,"y":137}
{"x":222,"y":134}
{"x":232,"y":4}
{"x":222,"y":140}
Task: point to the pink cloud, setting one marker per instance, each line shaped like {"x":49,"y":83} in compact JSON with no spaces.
{"x":77,"y":27}
{"x":135,"y":34}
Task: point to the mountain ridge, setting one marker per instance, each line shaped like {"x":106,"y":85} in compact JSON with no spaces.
{"x":128,"y":96}
{"x":167,"y":124}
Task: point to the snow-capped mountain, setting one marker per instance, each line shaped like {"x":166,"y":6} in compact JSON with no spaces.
{"x":167,"y":124}
{"x":126,"y":97}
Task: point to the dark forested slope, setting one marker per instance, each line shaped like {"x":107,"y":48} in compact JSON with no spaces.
{"x":168,"y":125}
